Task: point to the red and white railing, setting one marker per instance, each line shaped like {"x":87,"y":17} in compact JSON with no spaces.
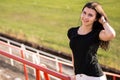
{"x":36,"y":56}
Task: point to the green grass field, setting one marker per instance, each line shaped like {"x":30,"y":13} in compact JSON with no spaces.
{"x":46,"y":22}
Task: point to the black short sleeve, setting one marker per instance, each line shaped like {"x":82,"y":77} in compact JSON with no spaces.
{"x":69,"y":34}
{"x":72,"y":32}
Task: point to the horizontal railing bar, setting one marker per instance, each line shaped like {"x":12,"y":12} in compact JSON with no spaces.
{"x":35,"y":50}
{"x":54,"y":73}
{"x":112,"y":74}
{"x":65,"y":62}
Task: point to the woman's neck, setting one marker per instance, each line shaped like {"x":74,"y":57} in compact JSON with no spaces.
{"x":84,"y":29}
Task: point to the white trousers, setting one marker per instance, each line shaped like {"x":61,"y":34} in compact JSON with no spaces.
{"x":85,"y":77}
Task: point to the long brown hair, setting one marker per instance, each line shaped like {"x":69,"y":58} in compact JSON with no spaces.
{"x":97,"y":25}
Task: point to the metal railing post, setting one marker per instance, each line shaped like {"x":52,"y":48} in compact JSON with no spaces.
{"x":36,"y":59}
{"x":46,"y":76}
{"x":10,"y":51}
{"x":60,"y":67}
{"x":24,"y":65}
{"x":114,"y":78}
{"x":57,"y":65}
{"x":38,"y":74}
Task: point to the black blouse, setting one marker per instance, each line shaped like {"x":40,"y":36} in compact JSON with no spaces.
{"x":84,"y":49}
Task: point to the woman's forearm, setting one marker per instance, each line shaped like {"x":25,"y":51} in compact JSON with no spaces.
{"x":109,"y":31}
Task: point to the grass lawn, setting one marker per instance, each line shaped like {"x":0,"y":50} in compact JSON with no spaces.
{"x":46,"y":22}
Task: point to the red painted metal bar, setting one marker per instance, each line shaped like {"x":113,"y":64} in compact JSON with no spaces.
{"x":24,"y":66}
{"x":38,"y":74}
{"x":51,"y":72}
{"x":60,"y":67}
{"x":46,"y":76}
{"x":114,"y":78}
{"x":113,"y":75}
{"x":107,"y":73}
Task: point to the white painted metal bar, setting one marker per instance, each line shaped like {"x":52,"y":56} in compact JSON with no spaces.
{"x":38,"y":51}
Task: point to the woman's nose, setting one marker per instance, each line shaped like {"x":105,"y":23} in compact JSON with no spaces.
{"x":85,"y":17}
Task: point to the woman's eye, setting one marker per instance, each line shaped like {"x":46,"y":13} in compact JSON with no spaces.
{"x":90,"y":15}
{"x":84,"y":12}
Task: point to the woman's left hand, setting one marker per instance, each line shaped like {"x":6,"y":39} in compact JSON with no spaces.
{"x":72,"y":77}
{"x":102,"y":20}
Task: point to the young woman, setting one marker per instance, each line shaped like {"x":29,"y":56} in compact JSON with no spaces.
{"x":85,"y":40}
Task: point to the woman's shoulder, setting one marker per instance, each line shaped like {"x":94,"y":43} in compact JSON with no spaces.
{"x":73,"y":29}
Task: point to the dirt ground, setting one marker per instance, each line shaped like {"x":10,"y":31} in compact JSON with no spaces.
{"x":8,"y":72}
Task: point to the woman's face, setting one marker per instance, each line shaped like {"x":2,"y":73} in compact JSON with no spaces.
{"x":88,"y":16}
